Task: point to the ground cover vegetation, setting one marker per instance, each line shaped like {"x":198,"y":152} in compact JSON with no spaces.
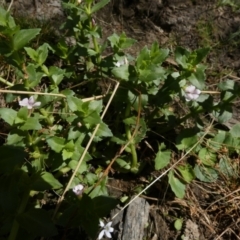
{"x":82,"y":108}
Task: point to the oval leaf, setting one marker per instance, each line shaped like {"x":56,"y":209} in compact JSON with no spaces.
{"x":177,"y":187}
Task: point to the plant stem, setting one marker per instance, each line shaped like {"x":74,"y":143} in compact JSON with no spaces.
{"x":134,"y":164}
{"x":15,"y":226}
{"x":6,"y":82}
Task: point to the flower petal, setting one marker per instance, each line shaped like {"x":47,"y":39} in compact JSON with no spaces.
{"x":101,"y":224}
{"x":101,"y":234}
{"x":24,"y":102}
{"x":36,"y":104}
{"x":190,"y":89}
{"x":108,"y":234}
{"x":108,"y":225}
{"x":31,"y":100}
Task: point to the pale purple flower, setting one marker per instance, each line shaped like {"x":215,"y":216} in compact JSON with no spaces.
{"x":191,"y":93}
{"x":29,"y":103}
{"x":78,"y":189}
{"x":107,"y":229}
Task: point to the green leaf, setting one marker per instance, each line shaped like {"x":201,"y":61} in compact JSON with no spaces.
{"x":56,"y":143}
{"x":75,"y":104}
{"x":114,"y":39}
{"x":205,"y":174}
{"x":187,"y":172}
{"x":33,"y":77}
{"x":224,"y":114}
{"x":215,"y":144}
{"x":198,"y":77}
{"x":104,"y":131}
{"x":228,"y":168}
{"x":8,"y":115}
{"x":178,"y":224}
{"x":235,"y":130}
{"x":99,"y":5}
{"x":200,"y":55}
{"x":121,"y":72}
{"x":181,"y":57}
{"x":42,"y":53}
{"x":187,"y":138}
{"x":226,"y":85}
{"x":24,"y":36}
{"x":38,"y":222}
{"x":163,"y":158}
{"x":15,"y":139}
{"x":125,"y":42}
{"x":177,"y":186}
{"x":44,"y":181}
{"x":152,"y":73}
{"x":101,"y":189}
{"x":22,"y":115}
{"x":31,"y":124}
{"x":56,"y":74}
{"x":73,"y":165}
{"x":68,"y":150}
{"x":207,"y":158}
{"x":122,"y":164}
{"x":31,"y":53}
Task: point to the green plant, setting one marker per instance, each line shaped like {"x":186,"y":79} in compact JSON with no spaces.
{"x":57,"y":131}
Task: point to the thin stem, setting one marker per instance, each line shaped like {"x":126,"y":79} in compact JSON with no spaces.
{"x":49,"y":94}
{"x":129,"y":137}
{"x":6,"y":82}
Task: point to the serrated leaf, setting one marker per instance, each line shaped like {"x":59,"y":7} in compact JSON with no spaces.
{"x":176,"y":185}
{"x":40,"y":222}
{"x":56,"y":143}
{"x":24,"y":36}
{"x":8,"y":115}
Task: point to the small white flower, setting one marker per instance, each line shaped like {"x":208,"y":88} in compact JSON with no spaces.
{"x":191,"y":93}
{"x":78,"y":189}
{"x":107,"y":229}
{"x":121,"y":62}
{"x":29,"y":103}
